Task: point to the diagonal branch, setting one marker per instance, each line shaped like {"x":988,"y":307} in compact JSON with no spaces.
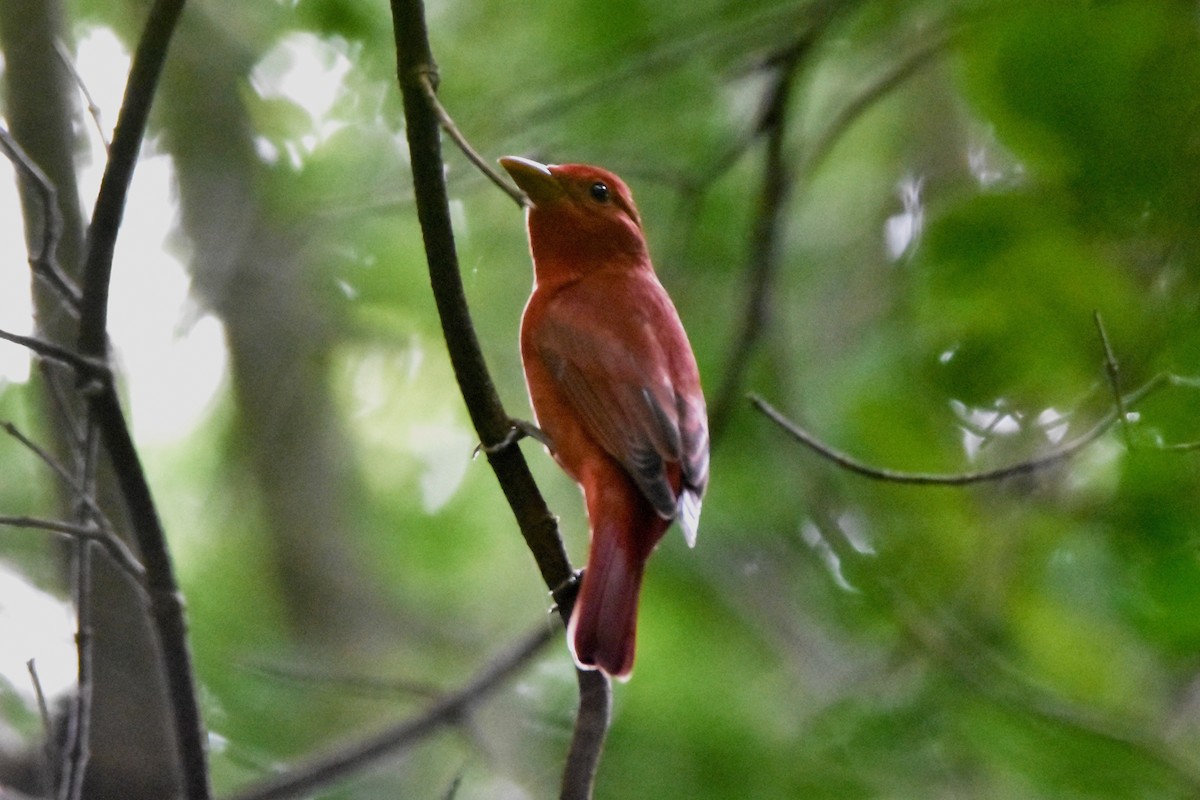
{"x":776,"y":187}
{"x":43,"y":260}
{"x":416,"y":69}
{"x":84,"y":366}
{"x":587,"y":740}
{"x":481,"y":163}
{"x":451,"y":709}
{"x":78,"y":490}
{"x":166,"y":604}
{"x":765,"y":238}
{"x":852,"y":464}
{"x":93,"y":109}
{"x":112,"y":544}
{"x":417,"y":76}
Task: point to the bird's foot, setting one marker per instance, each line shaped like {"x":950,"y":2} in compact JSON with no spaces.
{"x":519,"y":430}
{"x":564,"y":594}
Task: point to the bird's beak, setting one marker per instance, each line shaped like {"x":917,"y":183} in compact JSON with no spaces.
{"x":535,"y":179}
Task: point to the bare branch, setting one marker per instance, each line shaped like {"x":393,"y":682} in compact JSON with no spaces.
{"x":415,"y":70}
{"x":985,"y":673}
{"x":43,"y":260}
{"x":109,"y":210}
{"x":954,"y":479}
{"x":166,"y":606}
{"x":587,"y":742}
{"x":447,"y":123}
{"x":93,"y":109}
{"x":1114,"y":379}
{"x":63,"y":405}
{"x":76,"y":752}
{"x":379,"y":688}
{"x":452,"y":789}
{"x":764,"y":257}
{"x":121,"y":555}
{"x":44,"y":713}
{"x":492,"y":424}
{"x":83,"y":496}
{"x":764,"y":238}
{"x":85,"y":366}
{"x":332,"y":767}
{"x":876,"y":90}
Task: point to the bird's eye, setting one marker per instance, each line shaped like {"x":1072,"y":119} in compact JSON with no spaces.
{"x":599,"y":192}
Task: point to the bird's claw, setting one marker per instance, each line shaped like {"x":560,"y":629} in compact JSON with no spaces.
{"x":564,"y":594}
{"x":519,"y":430}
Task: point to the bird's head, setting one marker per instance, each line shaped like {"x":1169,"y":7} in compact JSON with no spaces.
{"x":580,"y":216}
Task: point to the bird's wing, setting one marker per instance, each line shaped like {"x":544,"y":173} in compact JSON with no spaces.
{"x":627,"y":369}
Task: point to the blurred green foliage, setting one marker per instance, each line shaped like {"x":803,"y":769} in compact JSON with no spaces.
{"x":830,"y":636}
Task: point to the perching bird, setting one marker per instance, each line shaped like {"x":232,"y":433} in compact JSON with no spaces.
{"x":615,"y":388}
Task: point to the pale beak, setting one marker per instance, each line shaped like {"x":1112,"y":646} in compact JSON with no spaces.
{"x":534,"y":178}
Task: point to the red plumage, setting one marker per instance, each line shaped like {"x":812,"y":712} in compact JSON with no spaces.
{"x":614,"y":386}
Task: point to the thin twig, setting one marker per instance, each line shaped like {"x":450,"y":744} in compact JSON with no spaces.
{"x":94,"y":510}
{"x":382,"y":688}
{"x":983,"y":671}
{"x":776,"y":180}
{"x":452,"y":130}
{"x":120,"y":553}
{"x":92,"y":107}
{"x":42,"y":259}
{"x":452,"y":790}
{"x":68,"y":418}
{"x":954,"y":479}
{"x":166,"y":605}
{"x":877,"y":89}
{"x":1114,"y":380}
{"x":332,"y":767}
{"x":77,"y":752}
{"x":50,"y":741}
{"x":765,"y":235}
{"x":717,"y":36}
{"x":87,"y":367}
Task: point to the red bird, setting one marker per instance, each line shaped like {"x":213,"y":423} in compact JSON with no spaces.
{"x":614,"y":387}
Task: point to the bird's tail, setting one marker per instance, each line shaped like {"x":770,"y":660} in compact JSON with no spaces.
{"x":625,"y":531}
{"x":603,"y":624}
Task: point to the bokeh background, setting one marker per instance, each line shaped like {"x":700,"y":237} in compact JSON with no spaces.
{"x":895,"y":221}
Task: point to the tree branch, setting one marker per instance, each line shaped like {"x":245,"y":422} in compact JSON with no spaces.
{"x":77,"y":750}
{"x":43,"y":259}
{"x":962,"y":478}
{"x":93,"y":109}
{"x":83,"y":365}
{"x":345,"y":761}
{"x":105,"y":224}
{"x":81,"y":494}
{"x":764,"y":240}
{"x":587,"y":740}
{"x":481,"y":163}
{"x":777,"y":174}
{"x":416,"y":70}
{"x":166,"y":604}
{"x":417,"y":74}
{"x":982,"y":670}
{"x":44,"y":713}
{"x":1114,"y":377}
{"x":115,"y":548}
